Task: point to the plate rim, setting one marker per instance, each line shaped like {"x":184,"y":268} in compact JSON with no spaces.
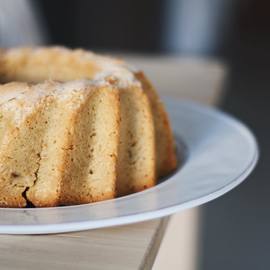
{"x":150,"y":214}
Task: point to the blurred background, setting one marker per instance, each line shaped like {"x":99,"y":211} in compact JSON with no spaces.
{"x":234,"y":230}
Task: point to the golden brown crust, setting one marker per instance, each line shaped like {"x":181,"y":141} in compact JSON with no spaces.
{"x":146,"y":146}
{"x":165,"y":148}
{"x":90,"y":164}
{"x":18,"y":157}
{"x":137,"y":159}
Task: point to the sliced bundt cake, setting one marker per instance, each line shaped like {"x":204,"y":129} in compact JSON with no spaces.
{"x":76,"y":127}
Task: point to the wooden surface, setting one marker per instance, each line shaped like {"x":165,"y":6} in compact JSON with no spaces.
{"x":133,"y":246}
{"x":125,"y":247}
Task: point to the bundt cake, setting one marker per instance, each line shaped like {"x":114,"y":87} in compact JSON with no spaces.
{"x":76,"y":127}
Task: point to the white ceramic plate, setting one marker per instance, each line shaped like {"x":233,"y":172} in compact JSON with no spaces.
{"x":219,"y":153}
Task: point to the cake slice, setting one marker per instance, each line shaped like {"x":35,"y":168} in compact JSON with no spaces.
{"x":90,"y":172}
{"x":165,"y":148}
{"x":136,"y":158}
{"x":20,"y":141}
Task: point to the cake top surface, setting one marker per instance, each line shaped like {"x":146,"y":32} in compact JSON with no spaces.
{"x":62,"y":64}
{"x":20,"y":98}
{"x":30,"y":74}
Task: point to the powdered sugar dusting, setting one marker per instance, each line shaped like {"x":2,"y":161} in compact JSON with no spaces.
{"x":21,"y":98}
{"x":111,"y":68}
{"x":100,"y":67}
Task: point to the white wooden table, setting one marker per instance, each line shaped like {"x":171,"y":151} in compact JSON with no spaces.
{"x":168,"y":243}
